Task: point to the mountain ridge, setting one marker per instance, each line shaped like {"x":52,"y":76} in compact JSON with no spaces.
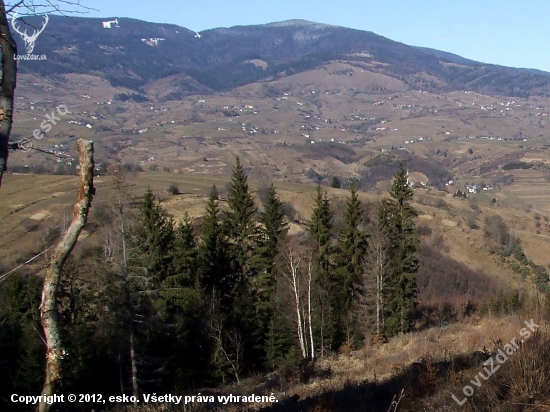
{"x":134,"y":53}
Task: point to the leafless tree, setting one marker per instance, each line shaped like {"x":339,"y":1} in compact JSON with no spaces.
{"x":8,"y":48}
{"x":299,"y":281}
{"x":309,"y":316}
{"x":375,"y":277}
{"x":48,"y":307}
{"x":128,"y":281}
{"x":292,"y":276}
{"x":229,"y":345}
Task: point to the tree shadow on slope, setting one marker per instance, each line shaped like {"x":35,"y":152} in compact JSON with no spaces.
{"x":519,"y":383}
{"x":417,"y":380}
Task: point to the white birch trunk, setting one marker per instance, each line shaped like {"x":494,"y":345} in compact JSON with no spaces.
{"x":293,"y":281}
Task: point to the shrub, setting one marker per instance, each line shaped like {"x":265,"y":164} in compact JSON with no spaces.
{"x":517,"y":165}
{"x":496,"y":230}
{"x":436,"y":240}
{"x":313,"y":175}
{"x":423,"y":230}
{"x":173,"y":189}
{"x":471,"y":220}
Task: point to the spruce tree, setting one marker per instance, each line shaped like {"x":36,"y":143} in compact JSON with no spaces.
{"x":352,"y":244}
{"x":241,"y":228}
{"x":213,"y":251}
{"x":151,"y":238}
{"x":184,"y":253}
{"x":320,"y":227}
{"x":181,"y":301}
{"x":22,"y":351}
{"x":404,"y":254}
{"x":275,"y":230}
{"x":246,"y":238}
{"x":183,"y":278}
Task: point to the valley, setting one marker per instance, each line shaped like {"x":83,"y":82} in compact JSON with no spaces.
{"x":316,"y":110}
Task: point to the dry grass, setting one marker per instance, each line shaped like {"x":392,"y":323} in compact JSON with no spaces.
{"x":381,"y":361}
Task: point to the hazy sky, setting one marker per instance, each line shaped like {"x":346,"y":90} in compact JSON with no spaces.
{"x":507,"y":32}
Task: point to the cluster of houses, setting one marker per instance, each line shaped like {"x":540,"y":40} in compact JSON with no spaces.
{"x":247,"y":108}
{"x":416,"y":179}
{"x":412,"y":141}
{"x":62,"y":150}
{"x":149,"y":159}
{"x":475,"y":188}
{"x":331,"y":140}
{"x":153,"y":41}
{"x":487,"y":137}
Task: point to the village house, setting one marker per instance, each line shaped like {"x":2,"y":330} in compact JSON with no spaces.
{"x":416,"y":179}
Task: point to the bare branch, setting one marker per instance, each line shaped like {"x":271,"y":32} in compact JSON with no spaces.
{"x":63,"y":7}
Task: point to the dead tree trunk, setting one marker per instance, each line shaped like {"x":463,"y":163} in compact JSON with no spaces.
{"x":7,"y":86}
{"x":48,"y":307}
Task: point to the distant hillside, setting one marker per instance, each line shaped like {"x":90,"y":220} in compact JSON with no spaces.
{"x":450,"y":57}
{"x":134,"y":53}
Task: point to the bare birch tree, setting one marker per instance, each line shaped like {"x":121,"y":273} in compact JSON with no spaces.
{"x":375,"y":278}
{"x":301,"y":300}
{"x":309,"y":317}
{"x":292,"y":276}
{"x":48,"y":307}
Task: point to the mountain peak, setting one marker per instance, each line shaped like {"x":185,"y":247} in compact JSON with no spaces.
{"x":298,"y":23}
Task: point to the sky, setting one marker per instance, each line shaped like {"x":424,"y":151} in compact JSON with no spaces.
{"x":507,"y":32}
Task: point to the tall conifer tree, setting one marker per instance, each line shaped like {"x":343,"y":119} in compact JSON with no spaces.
{"x":152,"y":236}
{"x":213,"y":259}
{"x":271,"y":322}
{"x":352,"y":244}
{"x":404,"y":254}
{"x":275,"y":229}
{"x":320,"y":227}
{"x":245,"y":238}
{"x":241,"y":228}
